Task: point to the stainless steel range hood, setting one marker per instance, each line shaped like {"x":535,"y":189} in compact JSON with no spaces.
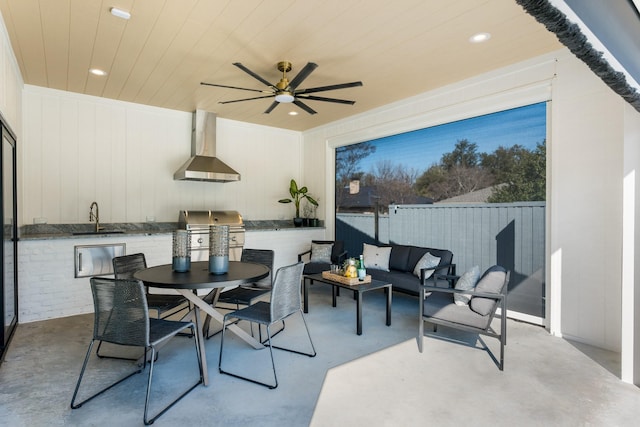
{"x":203,"y":164}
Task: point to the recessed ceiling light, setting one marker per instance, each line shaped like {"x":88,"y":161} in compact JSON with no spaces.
{"x":97,"y":72}
{"x":120,"y":13}
{"x":293,"y":113}
{"x":479,"y":37}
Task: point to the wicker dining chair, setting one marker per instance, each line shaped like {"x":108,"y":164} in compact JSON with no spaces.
{"x":285,"y":301}
{"x":244,"y":294}
{"x":164,"y":305}
{"x":122,"y":317}
{"x":250,"y":293}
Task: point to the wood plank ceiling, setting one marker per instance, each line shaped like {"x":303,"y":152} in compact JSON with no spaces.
{"x":159,"y":57}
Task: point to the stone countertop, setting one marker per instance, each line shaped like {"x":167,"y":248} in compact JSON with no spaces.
{"x":274,"y":224}
{"x":77,"y":231}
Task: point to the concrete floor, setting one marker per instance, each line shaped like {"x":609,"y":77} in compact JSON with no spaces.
{"x":376,"y":379}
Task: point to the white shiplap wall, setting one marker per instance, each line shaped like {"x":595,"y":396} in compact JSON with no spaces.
{"x":11,"y":82}
{"x":80,"y":148}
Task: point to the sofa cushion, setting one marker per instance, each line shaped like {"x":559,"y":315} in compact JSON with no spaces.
{"x":466,"y":282}
{"x":338,"y":249}
{"x":492,"y":281}
{"x":321,"y":252}
{"x":399,"y":258}
{"x":427,"y":261}
{"x":404,"y":281}
{"x":376,"y":257}
{"x":416,"y":253}
{"x":316,"y":267}
{"x":446,"y":256}
{"x":440,"y":306}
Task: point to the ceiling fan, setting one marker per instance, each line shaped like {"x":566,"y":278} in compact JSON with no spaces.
{"x":286,"y":91}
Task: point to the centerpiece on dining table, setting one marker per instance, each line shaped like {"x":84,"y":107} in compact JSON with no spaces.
{"x":181,"y":260}
{"x":352,"y":272}
{"x":218,"y":249}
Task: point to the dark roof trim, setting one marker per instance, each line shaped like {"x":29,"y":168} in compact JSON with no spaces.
{"x":570,"y":35}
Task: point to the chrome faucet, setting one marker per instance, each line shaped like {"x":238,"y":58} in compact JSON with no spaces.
{"x":95,"y":216}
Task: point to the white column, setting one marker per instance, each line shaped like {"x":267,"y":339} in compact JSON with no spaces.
{"x":630,"y":351}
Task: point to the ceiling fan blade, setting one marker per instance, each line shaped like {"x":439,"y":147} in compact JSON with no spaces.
{"x":245,"y":99}
{"x":330,"y":87}
{"x":234,"y":87}
{"x":271,"y":107}
{"x":321,"y":98}
{"x":303,"y":74}
{"x":305,"y":107}
{"x":254,"y":75}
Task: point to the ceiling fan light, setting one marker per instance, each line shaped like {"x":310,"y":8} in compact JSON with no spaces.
{"x":285,"y":97}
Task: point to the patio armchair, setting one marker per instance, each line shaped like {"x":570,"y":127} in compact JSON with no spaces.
{"x":321,"y":255}
{"x":437,"y":306}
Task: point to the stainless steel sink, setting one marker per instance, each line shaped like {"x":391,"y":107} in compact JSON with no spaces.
{"x":95,"y":233}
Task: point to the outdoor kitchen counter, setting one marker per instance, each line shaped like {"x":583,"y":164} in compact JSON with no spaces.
{"x":70,"y":231}
{"x":47,"y":261}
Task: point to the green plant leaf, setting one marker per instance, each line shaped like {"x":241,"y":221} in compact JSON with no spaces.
{"x":293,"y":188}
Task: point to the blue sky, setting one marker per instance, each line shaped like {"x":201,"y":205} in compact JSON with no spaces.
{"x":420,"y":149}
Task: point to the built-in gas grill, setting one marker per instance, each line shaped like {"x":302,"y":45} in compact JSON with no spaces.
{"x":198,"y":222}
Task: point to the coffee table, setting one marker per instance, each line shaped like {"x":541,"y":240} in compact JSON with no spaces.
{"x":358,"y":289}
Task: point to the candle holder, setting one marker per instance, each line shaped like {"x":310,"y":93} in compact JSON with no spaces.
{"x":181,"y":251}
{"x":218,"y":249}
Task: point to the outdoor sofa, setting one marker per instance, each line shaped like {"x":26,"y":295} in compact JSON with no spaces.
{"x":398,"y":265}
{"x":392,"y":263}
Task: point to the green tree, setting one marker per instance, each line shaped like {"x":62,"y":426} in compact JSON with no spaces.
{"x":521,"y":172}
{"x":504,"y":161}
{"x":457,"y":173}
{"x":425,"y":184}
{"x":465,"y":154}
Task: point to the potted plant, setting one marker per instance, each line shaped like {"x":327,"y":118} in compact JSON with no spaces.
{"x":297,"y":195}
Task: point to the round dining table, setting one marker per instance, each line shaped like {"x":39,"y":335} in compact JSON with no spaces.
{"x":198,"y":277}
